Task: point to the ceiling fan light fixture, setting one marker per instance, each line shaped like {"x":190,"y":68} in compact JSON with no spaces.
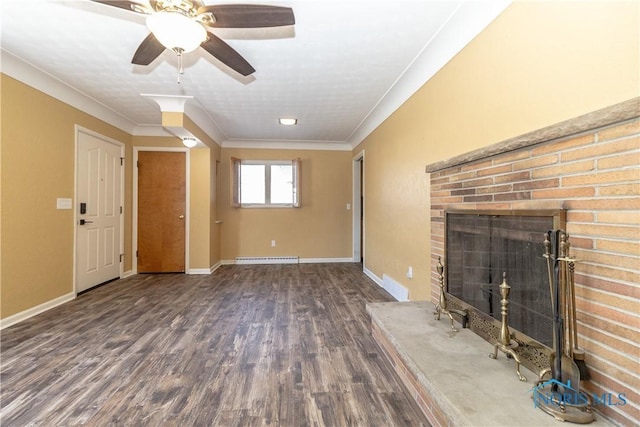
{"x":176,"y":31}
{"x":287,"y":121}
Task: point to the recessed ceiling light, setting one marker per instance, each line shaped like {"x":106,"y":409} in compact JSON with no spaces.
{"x":288,"y":122}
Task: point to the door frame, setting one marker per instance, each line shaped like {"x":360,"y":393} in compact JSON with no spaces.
{"x":134,"y":220}
{"x":358,"y":208}
{"x":76,"y":215}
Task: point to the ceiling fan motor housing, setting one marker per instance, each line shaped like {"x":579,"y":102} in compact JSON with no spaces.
{"x":188,"y":7}
{"x":176,"y":31}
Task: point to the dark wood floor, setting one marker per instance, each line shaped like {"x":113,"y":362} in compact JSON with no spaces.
{"x":283,"y":345}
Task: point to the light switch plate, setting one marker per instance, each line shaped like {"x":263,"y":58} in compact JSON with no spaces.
{"x":62,"y":203}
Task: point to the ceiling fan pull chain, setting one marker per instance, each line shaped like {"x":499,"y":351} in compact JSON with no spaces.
{"x":180,"y":69}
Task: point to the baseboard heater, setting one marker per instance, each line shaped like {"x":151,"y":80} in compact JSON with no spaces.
{"x":396,"y":290}
{"x":267,"y":260}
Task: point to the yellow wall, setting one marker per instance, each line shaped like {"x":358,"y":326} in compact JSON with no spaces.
{"x":537,"y":64}
{"x":200,"y":209}
{"x":214,"y":225}
{"x":214,"y":184}
{"x":38,"y":151}
{"x":321,"y":228}
{"x":1,"y":198}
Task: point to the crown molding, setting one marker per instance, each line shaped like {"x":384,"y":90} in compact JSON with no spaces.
{"x":288,"y":145}
{"x":27,"y":73}
{"x":464,"y":24}
{"x":150,"y":130}
{"x":201,"y":119}
{"x":169,"y":103}
{"x":35,"y":77}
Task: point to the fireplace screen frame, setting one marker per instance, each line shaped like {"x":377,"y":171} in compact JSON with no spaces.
{"x":533,"y":353}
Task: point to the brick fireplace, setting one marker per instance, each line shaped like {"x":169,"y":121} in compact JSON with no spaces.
{"x":589,"y":167}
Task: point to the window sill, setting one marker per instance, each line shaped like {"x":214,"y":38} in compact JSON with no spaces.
{"x":266,"y":206}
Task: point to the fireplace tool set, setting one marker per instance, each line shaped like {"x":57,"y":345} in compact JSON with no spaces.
{"x":557,"y":390}
{"x":564,"y":400}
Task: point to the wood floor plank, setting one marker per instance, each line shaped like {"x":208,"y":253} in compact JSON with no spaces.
{"x":273,"y":345}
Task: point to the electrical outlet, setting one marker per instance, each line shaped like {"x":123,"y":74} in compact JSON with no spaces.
{"x":273,"y":243}
{"x":410,"y":273}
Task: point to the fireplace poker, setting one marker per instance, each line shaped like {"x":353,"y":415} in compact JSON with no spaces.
{"x":571,"y":325}
{"x":564,"y":369}
{"x":569,"y":402}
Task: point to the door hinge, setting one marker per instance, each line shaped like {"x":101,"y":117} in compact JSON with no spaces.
{"x":121,"y":257}
{"x":121,"y":161}
{"x":121,"y":210}
{"x":138,"y":163}
{"x":136,"y":254}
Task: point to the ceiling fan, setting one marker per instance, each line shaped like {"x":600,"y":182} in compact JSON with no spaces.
{"x":183,"y":25}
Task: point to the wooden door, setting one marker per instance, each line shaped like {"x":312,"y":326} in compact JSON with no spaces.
{"x":98,"y":180}
{"x":161,"y":211}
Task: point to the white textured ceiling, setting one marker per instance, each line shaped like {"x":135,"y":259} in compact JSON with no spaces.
{"x":343,"y":68}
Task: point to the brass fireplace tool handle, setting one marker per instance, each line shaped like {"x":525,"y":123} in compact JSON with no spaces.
{"x":441,"y":306}
{"x":505,"y":344}
{"x":567,"y":366}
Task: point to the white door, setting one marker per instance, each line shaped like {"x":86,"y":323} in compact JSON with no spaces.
{"x":99,"y":175}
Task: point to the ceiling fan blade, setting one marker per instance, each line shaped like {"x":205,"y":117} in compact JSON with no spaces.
{"x":227,"y":55}
{"x":249,"y":15}
{"x":124,"y":4}
{"x":149,"y":49}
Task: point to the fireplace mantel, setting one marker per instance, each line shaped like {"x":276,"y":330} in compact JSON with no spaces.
{"x":617,"y":113}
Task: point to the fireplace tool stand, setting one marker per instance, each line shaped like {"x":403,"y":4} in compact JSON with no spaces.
{"x":560,"y":396}
{"x":441,"y":306}
{"x":505,"y":344}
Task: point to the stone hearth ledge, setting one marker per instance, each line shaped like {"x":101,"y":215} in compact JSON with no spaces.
{"x":451,"y":376}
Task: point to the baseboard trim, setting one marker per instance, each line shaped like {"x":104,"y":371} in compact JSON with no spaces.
{"x":34,"y":311}
{"x":128,"y":274}
{"x":216,"y":266}
{"x":300,"y":261}
{"x":199,"y":271}
{"x":324,"y":260}
{"x":267,"y":260}
{"x":372,"y":276}
{"x":209,"y":270}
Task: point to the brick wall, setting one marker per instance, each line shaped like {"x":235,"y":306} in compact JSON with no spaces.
{"x":595,"y":176}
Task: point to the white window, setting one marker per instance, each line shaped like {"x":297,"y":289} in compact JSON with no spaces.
{"x":265,"y":183}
